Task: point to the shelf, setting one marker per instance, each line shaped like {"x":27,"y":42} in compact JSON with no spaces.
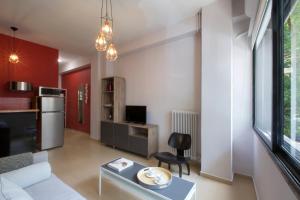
{"x":107,"y":120}
{"x":113,"y":98}
{"x":138,"y":132}
{"x":139,"y":136}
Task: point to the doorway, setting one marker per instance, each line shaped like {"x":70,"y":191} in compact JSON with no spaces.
{"x":78,"y":84}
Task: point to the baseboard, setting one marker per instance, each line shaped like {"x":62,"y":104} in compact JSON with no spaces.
{"x":255,"y":188}
{"x":216,"y":178}
{"x":244,"y":175}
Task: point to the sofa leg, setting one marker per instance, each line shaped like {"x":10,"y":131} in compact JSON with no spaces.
{"x":169,"y":166}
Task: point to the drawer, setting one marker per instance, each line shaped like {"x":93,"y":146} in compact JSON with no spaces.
{"x":138,"y":145}
{"x":121,"y":136}
{"x":107,"y":133}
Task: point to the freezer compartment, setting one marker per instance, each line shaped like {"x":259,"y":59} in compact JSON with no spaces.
{"x":52,"y":130}
{"x":52,"y":104}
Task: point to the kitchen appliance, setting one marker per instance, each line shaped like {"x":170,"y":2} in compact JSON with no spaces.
{"x":49,"y":91}
{"x":52,"y":118}
{"x":20,"y":86}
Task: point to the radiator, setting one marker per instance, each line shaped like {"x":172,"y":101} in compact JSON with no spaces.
{"x":187,"y":122}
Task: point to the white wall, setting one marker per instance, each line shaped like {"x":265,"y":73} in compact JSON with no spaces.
{"x":242,"y":106}
{"x":216,"y":96}
{"x":97,"y":71}
{"x":268,"y":180}
{"x":163,"y":77}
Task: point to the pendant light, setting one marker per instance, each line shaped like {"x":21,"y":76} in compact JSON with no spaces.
{"x":101,"y":43}
{"x":111,"y":53}
{"x":104,"y":41}
{"x":13,"y":57}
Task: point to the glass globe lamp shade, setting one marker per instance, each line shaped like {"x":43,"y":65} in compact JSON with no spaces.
{"x":111,"y":53}
{"x":13,"y":58}
{"x":101,"y":42}
{"x":107,"y":30}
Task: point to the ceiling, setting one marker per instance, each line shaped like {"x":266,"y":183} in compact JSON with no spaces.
{"x":72,"y":25}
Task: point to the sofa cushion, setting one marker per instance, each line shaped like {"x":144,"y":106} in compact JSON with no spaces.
{"x":53,"y":188}
{"x":11,"y":191}
{"x":11,"y":163}
{"x":29,"y":175}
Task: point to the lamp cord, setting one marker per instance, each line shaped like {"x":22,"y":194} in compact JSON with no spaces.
{"x":106,"y":15}
{"x":14,"y":36}
{"x":101,"y":13}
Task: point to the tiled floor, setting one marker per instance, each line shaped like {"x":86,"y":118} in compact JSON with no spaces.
{"x":77,"y":164}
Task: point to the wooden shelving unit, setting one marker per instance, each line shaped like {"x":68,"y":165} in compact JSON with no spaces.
{"x":113,"y":99}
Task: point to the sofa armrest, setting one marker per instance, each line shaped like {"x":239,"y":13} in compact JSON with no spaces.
{"x":40,"y":157}
{"x":29,"y":175}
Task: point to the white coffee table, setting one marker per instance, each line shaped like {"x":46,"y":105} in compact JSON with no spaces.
{"x":179,"y":189}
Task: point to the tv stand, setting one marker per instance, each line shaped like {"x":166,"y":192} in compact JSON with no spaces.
{"x":140,"y":139}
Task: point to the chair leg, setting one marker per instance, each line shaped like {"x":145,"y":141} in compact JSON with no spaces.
{"x":159,"y":163}
{"x":180,"y":170}
{"x":188,"y":168}
{"x":169,"y":166}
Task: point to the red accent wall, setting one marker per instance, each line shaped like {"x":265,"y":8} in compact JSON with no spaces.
{"x":11,"y":103}
{"x":71,"y":81}
{"x":38,"y":65}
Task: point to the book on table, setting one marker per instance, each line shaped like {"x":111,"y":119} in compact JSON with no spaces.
{"x":120,"y":164}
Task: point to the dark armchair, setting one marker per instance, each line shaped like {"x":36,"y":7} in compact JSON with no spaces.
{"x":180,"y":142}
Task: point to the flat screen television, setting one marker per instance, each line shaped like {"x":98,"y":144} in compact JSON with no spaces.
{"x":136,"y":114}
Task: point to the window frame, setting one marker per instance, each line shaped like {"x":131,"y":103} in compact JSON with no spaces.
{"x":288,"y":166}
{"x":262,"y":135}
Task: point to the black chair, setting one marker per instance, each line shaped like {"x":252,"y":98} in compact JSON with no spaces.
{"x":180,"y":142}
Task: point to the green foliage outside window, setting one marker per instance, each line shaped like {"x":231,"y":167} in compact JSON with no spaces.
{"x":292,"y":72}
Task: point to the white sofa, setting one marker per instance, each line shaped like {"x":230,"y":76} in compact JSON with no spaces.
{"x":41,"y":184}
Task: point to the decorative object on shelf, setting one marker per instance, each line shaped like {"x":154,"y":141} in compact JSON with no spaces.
{"x":104,"y":41}
{"x":110,"y":86}
{"x":110,"y":116}
{"x":13,"y":57}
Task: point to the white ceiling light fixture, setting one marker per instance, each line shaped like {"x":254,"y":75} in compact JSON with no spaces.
{"x":104,"y":41}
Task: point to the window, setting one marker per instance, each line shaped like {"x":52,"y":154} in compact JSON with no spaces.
{"x":276,"y":78}
{"x":291,"y":83}
{"x":263,"y":63}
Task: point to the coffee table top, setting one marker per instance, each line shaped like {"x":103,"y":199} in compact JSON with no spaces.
{"x":177,"y":190}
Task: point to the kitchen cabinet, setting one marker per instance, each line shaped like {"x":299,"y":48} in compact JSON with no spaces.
{"x":17,"y":132}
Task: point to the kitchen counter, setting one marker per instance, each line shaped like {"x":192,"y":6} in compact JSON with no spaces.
{"x":19,"y":111}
